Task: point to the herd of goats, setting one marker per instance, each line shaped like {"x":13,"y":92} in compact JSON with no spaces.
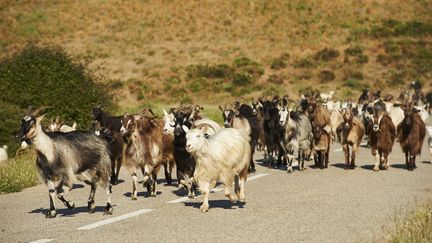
{"x":205,"y":153}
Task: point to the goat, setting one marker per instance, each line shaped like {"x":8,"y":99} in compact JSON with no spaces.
{"x":382,"y":137}
{"x":144,"y":149}
{"x":115,"y":146}
{"x":411,"y":133}
{"x":257,"y":111}
{"x":352,"y":132}
{"x":241,"y":118}
{"x":113,"y":123}
{"x":321,"y":147}
{"x":429,"y":130}
{"x":62,"y":157}
{"x":272,"y":129}
{"x":3,"y":153}
{"x":424,"y":114}
{"x":224,"y":156}
{"x":335,"y":120}
{"x":297,"y":136}
{"x":58,"y":126}
{"x":327,"y":97}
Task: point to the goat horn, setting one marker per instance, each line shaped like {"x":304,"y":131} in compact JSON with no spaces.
{"x":38,"y":110}
{"x":205,"y":125}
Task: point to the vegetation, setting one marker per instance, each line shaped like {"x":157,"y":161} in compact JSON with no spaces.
{"x":18,"y":173}
{"x":39,"y":76}
{"x":414,"y":226}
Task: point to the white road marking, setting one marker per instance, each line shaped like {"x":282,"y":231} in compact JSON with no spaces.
{"x":115,"y":219}
{"x":184,"y":199}
{"x":337,"y":150}
{"x":41,"y":241}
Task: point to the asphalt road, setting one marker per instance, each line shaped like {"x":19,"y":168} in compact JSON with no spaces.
{"x":331,"y":205}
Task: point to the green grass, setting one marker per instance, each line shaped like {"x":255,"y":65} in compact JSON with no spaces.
{"x":415,"y":226}
{"x":18,"y":173}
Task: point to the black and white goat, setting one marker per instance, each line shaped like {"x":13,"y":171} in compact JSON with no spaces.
{"x":64,"y":157}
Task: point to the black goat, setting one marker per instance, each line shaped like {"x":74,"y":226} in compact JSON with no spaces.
{"x":113,"y":123}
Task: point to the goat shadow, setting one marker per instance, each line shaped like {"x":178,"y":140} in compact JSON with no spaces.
{"x":427,"y":162}
{"x":225,"y":204}
{"x":283,"y":166}
{"x":76,"y":186}
{"x":141,"y":194}
{"x":340,"y":166}
{"x":66,"y":212}
{"x":367,"y":167}
{"x":164,"y":182}
{"x":398,"y":166}
{"x":119,"y":181}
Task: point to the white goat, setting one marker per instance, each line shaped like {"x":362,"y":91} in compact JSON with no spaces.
{"x":224,"y":156}
{"x":58,"y":126}
{"x":3,"y":153}
{"x":421,"y":109}
{"x":429,"y":130}
{"x":397,"y":115}
{"x":327,"y":96}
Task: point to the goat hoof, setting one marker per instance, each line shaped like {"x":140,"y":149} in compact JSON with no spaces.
{"x":108,"y":209}
{"x":70,"y":205}
{"x":133,"y":198}
{"x":251,"y":170}
{"x":376,"y":169}
{"x":289,"y":170}
{"x":204,"y":208}
{"x":153,"y":194}
{"x":51,"y":214}
{"x":92,"y":209}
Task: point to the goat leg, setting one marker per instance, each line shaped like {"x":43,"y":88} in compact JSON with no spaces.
{"x":353,"y":155}
{"x":60,"y":191}
{"x":377,"y":160}
{"x":205,"y":189}
{"x":134,"y":195}
{"x":108,"y":209}
{"x":91,"y":203}
{"x":52,"y":213}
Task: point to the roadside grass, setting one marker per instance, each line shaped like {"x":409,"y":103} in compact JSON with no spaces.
{"x":18,"y":173}
{"x":412,"y":226}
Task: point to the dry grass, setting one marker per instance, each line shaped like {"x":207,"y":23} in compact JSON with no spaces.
{"x":415,"y":226}
{"x":150,"y":41}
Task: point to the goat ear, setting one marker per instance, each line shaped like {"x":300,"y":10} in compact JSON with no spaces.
{"x":40,"y":118}
{"x":165,"y":113}
{"x":185,"y":128}
{"x":220,"y":108}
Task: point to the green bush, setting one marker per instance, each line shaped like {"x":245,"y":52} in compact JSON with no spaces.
{"x":304,"y":63}
{"x":326,"y":76}
{"x":392,"y":27}
{"x":280,"y":62}
{"x":40,"y":76}
{"x":207,"y":71}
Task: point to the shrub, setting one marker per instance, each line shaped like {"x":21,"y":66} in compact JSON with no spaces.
{"x":280,"y":62}
{"x":326,"y":54}
{"x":275,"y":79}
{"x":304,"y":63}
{"x":353,"y":51}
{"x":206,"y":71}
{"x":39,"y":76}
{"x":326,"y":76}
{"x":246,"y":65}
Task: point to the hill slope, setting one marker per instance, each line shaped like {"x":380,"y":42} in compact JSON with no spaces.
{"x":171,"y":50}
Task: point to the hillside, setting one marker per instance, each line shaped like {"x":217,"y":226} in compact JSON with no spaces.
{"x":206,"y":51}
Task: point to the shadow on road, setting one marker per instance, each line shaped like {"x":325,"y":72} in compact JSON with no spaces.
{"x":225,"y":204}
{"x":398,"y":166}
{"x":426,"y":162}
{"x":367,"y":167}
{"x":76,"y":186}
{"x":141,"y":194}
{"x":339,"y":165}
{"x":65,"y":212}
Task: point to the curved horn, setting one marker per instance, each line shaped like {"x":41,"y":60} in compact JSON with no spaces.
{"x":39,"y":110}
{"x":205,"y":125}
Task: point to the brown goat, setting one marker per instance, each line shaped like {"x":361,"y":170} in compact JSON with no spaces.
{"x":381,"y":138}
{"x":321,"y":147}
{"x":144,"y":149}
{"x":352,"y":132}
{"x":411,"y":133}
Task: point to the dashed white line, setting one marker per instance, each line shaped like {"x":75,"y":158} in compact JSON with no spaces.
{"x":41,"y":241}
{"x":115,"y":219}
{"x":184,"y":199}
{"x":337,"y":150}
